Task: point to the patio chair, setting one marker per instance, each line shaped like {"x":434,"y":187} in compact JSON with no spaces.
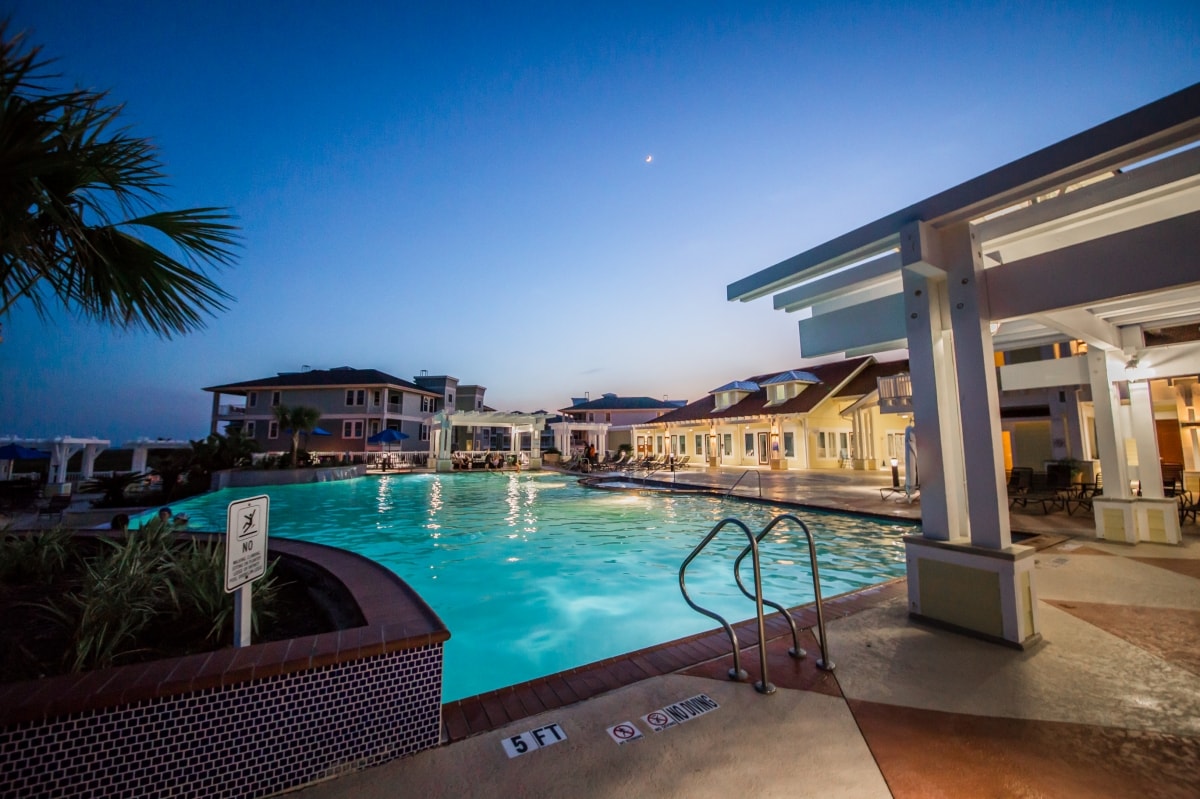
{"x":57,"y":506}
{"x":1020,"y":483}
{"x":1188,"y":506}
{"x":1085,"y":493}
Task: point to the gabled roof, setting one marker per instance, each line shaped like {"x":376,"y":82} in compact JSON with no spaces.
{"x":611,"y":402}
{"x":830,"y":377}
{"x":866,"y":381}
{"x":324,"y":378}
{"x":737,"y":385}
{"x":792,"y":376}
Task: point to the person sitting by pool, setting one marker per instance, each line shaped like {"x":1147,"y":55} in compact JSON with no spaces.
{"x":495,"y":461}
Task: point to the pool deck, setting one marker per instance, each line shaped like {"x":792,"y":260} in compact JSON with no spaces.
{"x":1107,"y":705}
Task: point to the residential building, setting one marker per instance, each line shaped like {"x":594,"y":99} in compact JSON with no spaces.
{"x":355,"y":404}
{"x":621,"y":414}
{"x":781,"y":420}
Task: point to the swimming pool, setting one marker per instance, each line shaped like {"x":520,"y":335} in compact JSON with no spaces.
{"x":534,"y":574}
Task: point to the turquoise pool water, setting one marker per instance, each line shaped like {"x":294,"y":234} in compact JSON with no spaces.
{"x":534,"y":574}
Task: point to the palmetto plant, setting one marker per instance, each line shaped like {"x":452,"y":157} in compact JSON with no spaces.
{"x":114,"y":487}
{"x":299,"y":419}
{"x":77,"y":210}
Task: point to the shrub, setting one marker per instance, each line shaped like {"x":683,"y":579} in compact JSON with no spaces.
{"x":39,"y":556}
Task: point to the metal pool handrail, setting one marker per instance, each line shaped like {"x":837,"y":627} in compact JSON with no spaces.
{"x":736,"y":482}
{"x":823,"y":662}
{"x":735,"y":673}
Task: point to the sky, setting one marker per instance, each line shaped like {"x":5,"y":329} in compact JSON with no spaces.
{"x":546,"y":199}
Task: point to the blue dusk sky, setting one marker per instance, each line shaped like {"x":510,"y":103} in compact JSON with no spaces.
{"x":545,"y":199}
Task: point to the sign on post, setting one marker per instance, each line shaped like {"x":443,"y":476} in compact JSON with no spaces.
{"x":245,"y":557}
{"x":246,"y":541}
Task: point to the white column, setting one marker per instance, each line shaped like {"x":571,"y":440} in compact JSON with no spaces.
{"x":1141,"y":411}
{"x":1110,"y":440}
{"x":978,"y":396}
{"x":140,"y":454}
{"x":89,"y":459}
{"x":1187,"y":407}
{"x":931,"y":360}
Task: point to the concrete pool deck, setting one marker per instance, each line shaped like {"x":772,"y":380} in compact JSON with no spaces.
{"x":1107,"y":705}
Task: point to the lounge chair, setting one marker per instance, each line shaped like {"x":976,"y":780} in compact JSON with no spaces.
{"x":1084,"y":495}
{"x":1020,"y":483}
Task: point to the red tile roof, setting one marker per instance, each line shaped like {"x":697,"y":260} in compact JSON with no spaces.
{"x":831,"y":375}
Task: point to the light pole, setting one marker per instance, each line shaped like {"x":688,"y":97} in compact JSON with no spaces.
{"x":895,"y":472}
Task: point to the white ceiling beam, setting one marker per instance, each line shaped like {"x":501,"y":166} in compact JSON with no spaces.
{"x":856,"y":278}
{"x":872,"y":326}
{"x":1152,"y":181}
{"x":1049,"y":373}
{"x":1153,"y":129}
{"x":1158,"y":257}
{"x":1085,"y":326}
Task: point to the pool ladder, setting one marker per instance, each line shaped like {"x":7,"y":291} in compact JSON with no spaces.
{"x":764,"y":685}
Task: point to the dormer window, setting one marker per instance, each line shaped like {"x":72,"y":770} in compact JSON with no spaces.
{"x":787,"y":385}
{"x":731,"y":394}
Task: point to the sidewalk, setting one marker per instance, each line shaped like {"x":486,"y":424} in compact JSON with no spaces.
{"x":1107,"y":705}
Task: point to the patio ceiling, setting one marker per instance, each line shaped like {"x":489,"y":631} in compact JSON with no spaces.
{"x":1094,"y":238}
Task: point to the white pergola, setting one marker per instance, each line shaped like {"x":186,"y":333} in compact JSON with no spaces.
{"x":61,"y":449}
{"x":441,"y":436}
{"x":1095,"y":238}
{"x":141,"y":449}
{"x":597,"y":434}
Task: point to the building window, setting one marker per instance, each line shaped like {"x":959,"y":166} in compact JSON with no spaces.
{"x":699,"y":443}
{"x":426,"y":404}
{"x":356,"y":396}
{"x":272,"y":429}
{"x":375,"y":398}
{"x":393,"y":398}
{"x":374,"y":426}
{"x":749,"y":443}
{"x":423,"y":432}
{"x":789,"y":445}
{"x":833,"y":444}
{"x":276,"y":398}
{"x":727,"y":440}
{"x":252,"y":399}
{"x":352,"y":429}
{"x":450,"y":400}
{"x":608,"y":417}
{"x":683,"y":445}
{"x":248,"y":430}
{"x":591,"y":417}
{"x":660,"y":446}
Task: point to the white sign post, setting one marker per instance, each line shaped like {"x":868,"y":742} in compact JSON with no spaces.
{"x":245,"y":558}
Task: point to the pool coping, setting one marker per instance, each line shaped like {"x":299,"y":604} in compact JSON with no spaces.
{"x":482,"y":713}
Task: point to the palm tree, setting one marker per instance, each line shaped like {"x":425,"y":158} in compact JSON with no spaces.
{"x":77,"y":201}
{"x":298,"y":419}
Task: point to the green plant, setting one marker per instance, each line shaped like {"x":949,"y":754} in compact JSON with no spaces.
{"x":121,"y":593}
{"x":77,"y":217}
{"x":114,"y":487}
{"x":296,"y":420}
{"x":40,"y":556}
{"x":198,"y":591}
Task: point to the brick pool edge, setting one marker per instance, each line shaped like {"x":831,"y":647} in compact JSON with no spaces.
{"x":239,"y":722}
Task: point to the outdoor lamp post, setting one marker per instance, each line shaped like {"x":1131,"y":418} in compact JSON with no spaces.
{"x":895,"y":472}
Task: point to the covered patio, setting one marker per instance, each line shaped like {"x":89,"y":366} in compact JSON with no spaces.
{"x":524,"y":431}
{"x":1091,"y":240}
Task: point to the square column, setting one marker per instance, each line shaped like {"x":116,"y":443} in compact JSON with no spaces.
{"x":963,"y":572}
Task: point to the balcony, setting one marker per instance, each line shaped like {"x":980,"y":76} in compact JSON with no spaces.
{"x":895,"y":393}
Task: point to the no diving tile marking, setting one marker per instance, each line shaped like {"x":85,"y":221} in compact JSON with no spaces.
{"x":533,"y":739}
{"x":624,"y":732}
{"x":683,"y":710}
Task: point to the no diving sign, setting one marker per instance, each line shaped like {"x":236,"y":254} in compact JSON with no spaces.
{"x":246,"y":541}
{"x":624,"y":732}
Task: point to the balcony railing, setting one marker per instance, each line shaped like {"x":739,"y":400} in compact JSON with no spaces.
{"x":895,"y":393}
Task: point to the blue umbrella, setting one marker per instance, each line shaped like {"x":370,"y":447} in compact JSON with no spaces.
{"x":387,"y":436}
{"x":16,"y":452}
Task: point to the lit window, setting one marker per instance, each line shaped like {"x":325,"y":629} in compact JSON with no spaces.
{"x":789,"y":445}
